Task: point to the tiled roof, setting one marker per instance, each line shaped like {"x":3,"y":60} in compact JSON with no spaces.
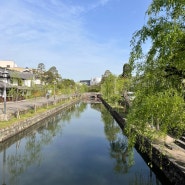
{"x":16,"y":74}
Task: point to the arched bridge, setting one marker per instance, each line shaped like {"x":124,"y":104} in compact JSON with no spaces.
{"x":91,"y":96}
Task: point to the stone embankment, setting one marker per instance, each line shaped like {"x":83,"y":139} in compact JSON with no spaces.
{"x":20,"y":126}
{"x":168,"y":161}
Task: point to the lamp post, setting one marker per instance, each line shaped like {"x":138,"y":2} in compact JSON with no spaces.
{"x":5,"y":75}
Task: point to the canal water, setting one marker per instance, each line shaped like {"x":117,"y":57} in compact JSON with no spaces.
{"x":82,"y":145}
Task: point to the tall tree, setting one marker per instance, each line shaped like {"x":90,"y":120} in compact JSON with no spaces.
{"x":105,"y":75}
{"x":41,"y":67}
{"x":126,"y":71}
{"x":54,"y":71}
{"x":165,"y":30}
{"x":108,"y":86}
{"x":52,"y":75}
{"x":39,"y":72}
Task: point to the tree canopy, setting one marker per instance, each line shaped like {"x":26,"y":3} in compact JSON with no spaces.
{"x":160,"y":69}
{"x":41,"y":67}
{"x":165,"y":30}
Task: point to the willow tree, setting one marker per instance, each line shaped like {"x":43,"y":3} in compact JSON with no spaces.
{"x":160,"y":70}
{"x":108,"y":86}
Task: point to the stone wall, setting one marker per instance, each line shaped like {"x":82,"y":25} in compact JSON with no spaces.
{"x":20,"y":126}
{"x":164,"y":164}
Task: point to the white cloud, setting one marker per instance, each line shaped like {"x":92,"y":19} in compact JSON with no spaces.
{"x":53,"y":33}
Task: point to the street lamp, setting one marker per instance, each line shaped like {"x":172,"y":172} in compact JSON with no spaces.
{"x":5,"y":75}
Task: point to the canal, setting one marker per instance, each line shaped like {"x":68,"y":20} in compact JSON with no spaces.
{"x":82,"y":145}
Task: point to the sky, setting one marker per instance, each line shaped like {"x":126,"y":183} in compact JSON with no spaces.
{"x":81,"y":38}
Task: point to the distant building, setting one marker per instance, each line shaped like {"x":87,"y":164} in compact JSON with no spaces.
{"x":7,"y":64}
{"x":95,"y":81}
{"x":13,"y":66}
{"x":86,"y":82}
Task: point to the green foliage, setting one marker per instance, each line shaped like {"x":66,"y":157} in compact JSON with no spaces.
{"x":160,"y":69}
{"x":14,"y":93}
{"x":48,"y":77}
{"x":67,"y":86}
{"x":41,"y":68}
{"x":118,"y":143}
{"x":37,"y":91}
{"x":108,"y":86}
{"x":105,"y":75}
{"x":164,"y":110}
{"x":94,"y":88}
{"x":82,"y":88}
{"x":126,"y":71}
{"x":166,"y":31}
{"x":113,"y":88}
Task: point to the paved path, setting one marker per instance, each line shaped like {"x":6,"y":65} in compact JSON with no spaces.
{"x":12,"y":107}
{"x":173,"y":151}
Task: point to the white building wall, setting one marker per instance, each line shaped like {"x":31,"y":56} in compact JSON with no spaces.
{"x":7,"y":64}
{"x":27,"y":83}
{"x":37,"y":82}
{"x":95,"y":81}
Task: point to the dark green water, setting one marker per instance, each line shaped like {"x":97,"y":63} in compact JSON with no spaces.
{"x":80,"y":146}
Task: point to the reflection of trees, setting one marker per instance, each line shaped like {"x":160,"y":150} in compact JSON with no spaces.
{"x":140,"y":179}
{"x":19,"y":161}
{"x":118,"y":143}
{"x":74,"y":111}
{"x":111,"y":128}
{"x":79,"y":108}
{"x":96,"y":106}
{"x":123,"y":155}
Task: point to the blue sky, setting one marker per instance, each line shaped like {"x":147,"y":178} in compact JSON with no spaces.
{"x":81,"y":38}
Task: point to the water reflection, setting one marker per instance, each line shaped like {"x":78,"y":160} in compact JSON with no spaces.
{"x":26,"y":152}
{"x":119,"y":149}
{"x":4,"y":167}
{"x":139,"y":179}
{"x":122,"y":153}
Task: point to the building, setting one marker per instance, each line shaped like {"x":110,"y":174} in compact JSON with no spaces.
{"x":86,"y":82}
{"x":7,"y":64}
{"x":95,"y":81}
{"x":17,"y":73}
{"x":18,"y":84}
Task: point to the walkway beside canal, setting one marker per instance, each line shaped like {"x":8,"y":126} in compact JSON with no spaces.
{"x":23,"y":106}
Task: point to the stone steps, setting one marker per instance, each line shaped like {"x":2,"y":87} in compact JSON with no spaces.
{"x":182,"y":138}
{"x":180,"y":143}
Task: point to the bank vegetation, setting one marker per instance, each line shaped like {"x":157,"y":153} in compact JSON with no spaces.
{"x":155,"y":73}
